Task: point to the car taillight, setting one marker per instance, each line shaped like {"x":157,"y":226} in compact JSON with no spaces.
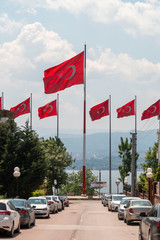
{"x":50,"y":202}
{"x":158,"y":224}
{"x":22,"y":211}
{"x":130,"y":210}
{"x":6,"y":212}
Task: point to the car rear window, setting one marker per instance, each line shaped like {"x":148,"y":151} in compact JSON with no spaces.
{"x":117,"y":198}
{"x":18,"y":203}
{"x":2,"y":206}
{"x":37,"y":201}
{"x":48,"y":198}
{"x":141,"y":203}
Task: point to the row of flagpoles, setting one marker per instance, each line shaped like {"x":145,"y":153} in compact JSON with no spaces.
{"x":69,"y":73}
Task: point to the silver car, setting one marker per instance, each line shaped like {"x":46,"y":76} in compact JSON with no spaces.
{"x":134,"y":208}
{"x":114,"y":202}
{"x":122,"y":205}
{"x":106,"y":199}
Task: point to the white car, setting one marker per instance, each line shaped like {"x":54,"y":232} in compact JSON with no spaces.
{"x":57,"y":199}
{"x":40,"y":206}
{"x":114,"y":202}
{"x":9,"y":218}
{"x":53,"y":205}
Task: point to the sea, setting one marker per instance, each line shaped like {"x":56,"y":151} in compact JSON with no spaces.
{"x":105,"y":178}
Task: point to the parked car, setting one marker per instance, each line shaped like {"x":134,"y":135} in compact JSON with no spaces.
{"x":40,"y":206}
{"x":53,"y":205}
{"x":57,"y":199}
{"x":134,"y":208}
{"x":9,"y":218}
{"x":106,"y":199}
{"x":114,"y":202}
{"x":65,"y":200}
{"x":122,"y":204}
{"x":26,"y":212}
{"x":149,"y":227}
{"x":62,"y":201}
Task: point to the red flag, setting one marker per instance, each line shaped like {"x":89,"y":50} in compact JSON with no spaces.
{"x":99,"y":110}
{"x":22,"y":108}
{"x":48,"y":110}
{"x":0,"y":103}
{"x":126,"y":110}
{"x":64,"y":75}
{"x":152,"y":111}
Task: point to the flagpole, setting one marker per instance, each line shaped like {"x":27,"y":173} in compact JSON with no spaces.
{"x":57,"y":115}
{"x":2,"y":100}
{"x":110,"y":188}
{"x":84,"y":128}
{"x":31,"y":111}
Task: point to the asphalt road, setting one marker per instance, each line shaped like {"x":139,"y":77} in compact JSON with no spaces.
{"x":82,"y":220}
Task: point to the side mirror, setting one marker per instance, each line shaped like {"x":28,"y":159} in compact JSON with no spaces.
{"x":143,"y":214}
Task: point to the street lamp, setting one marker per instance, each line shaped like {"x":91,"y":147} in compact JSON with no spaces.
{"x":16,"y":174}
{"x":149,"y":175}
{"x":126,"y":183}
{"x":117,"y":183}
{"x":55,"y":183}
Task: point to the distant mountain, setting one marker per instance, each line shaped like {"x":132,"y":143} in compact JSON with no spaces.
{"x":97,"y":148}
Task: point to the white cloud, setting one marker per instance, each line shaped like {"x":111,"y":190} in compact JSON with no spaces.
{"x":136,"y":18}
{"x":7,"y":25}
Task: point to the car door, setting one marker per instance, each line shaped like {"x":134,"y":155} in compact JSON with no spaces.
{"x":30,"y":211}
{"x":149,"y":221}
{"x":15,"y":214}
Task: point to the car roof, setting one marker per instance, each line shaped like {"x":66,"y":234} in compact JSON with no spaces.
{"x":131,"y":198}
{"x":4,"y":200}
{"x":37,"y":197}
{"x":144,"y":200}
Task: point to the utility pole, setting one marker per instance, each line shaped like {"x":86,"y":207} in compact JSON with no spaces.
{"x":133,"y":165}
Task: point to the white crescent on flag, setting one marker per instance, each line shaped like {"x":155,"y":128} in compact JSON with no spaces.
{"x":23,"y":107}
{"x":101,"y":112}
{"x":51,"y":108}
{"x":129,"y":109}
{"x":73,"y":67}
{"x":154,"y":109}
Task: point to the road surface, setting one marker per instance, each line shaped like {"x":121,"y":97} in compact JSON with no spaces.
{"x":82,"y":220}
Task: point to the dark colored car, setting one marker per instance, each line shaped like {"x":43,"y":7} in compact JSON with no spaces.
{"x":149,"y":227}
{"x":26,"y":212}
{"x":65,"y":200}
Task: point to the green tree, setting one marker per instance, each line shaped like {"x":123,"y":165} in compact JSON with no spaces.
{"x":126,"y":156}
{"x":151,"y":160}
{"x":57,"y":159}
{"x":74,"y":183}
{"x":23,"y":149}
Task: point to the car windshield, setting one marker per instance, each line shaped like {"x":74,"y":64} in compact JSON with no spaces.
{"x":2,"y":206}
{"x":117,"y":198}
{"x":48,"y":198}
{"x":37,"y":201}
{"x":141,"y":203}
{"x":18,"y":203}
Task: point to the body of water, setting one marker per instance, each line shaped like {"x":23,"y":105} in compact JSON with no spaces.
{"x":105,"y":178}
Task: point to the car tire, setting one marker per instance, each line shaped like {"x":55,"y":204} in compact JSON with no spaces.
{"x":124,"y":220}
{"x":18,"y":229}
{"x":11,"y":233}
{"x":119,"y":218}
{"x":128,"y":222}
{"x":48,"y":215}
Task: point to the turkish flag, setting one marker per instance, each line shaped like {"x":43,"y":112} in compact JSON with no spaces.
{"x":99,"y":110}
{"x":22,"y":108}
{"x":152,"y":111}
{"x":48,"y":110}
{"x":126,"y":110}
{"x":0,"y":103}
{"x":64,"y":75}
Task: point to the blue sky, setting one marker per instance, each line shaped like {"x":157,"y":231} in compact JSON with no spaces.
{"x":123,"y":45}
